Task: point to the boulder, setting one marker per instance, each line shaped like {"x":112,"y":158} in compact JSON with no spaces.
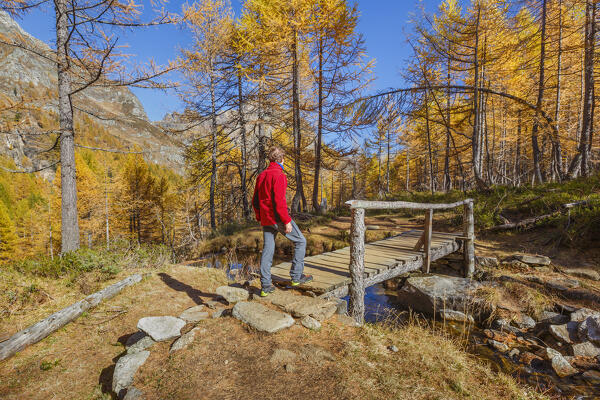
{"x":137,"y":342}
{"x":585,"y":273}
{"x":566,"y":333}
{"x":428,"y":294}
{"x":161,"y":328}
{"x":489,"y":262}
{"x":559,"y":364}
{"x":233,"y":294}
{"x":505,"y":326}
{"x":524,"y":321}
{"x":563,"y":284}
{"x":301,"y":306}
{"x":533,"y":259}
{"x":585,"y":349}
{"x":499,"y":346}
{"x":581,"y":314}
{"x":185,"y":340}
{"x":262,"y":318}
{"x":550,"y":317}
{"x":125,"y":370}
{"x":589,"y":329}
{"x":310,"y":323}
{"x":452,"y":315}
{"x":194,"y":314}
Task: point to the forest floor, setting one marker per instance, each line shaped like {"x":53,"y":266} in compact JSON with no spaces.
{"x":230,"y":361}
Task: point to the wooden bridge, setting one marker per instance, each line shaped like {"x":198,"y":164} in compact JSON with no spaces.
{"x":352,"y":269}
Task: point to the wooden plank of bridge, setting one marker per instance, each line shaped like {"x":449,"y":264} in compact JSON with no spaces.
{"x":331,"y":270}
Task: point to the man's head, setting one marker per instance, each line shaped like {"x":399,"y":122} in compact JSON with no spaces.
{"x":276,"y":154}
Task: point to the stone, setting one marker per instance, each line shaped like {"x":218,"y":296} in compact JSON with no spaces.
{"x":194,"y":314}
{"x":125,"y":370}
{"x":221,"y":312}
{"x":514,"y":353}
{"x":592,"y":377}
{"x":524,"y":321}
{"x":585,"y":273}
{"x":347,"y":320}
{"x":133,"y":394}
{"x":581,"y":314}
{"x":550,"y":317}
{"x":559,"y":364}
{"x":161,"y":328}
{"x":589,"y":329}
{"x":212,"y":304}
{"x":137,"y":342}
{"x":563,"y":284}
{"x":452,"y":315}
{"x":283,"y":356}
{"x":301,"y":306}
{"x":505,"y":326}
{"x":233,"y":294}
{"x":393,"y":349}
{"x":262,"y":318}
{"x":566,"y":333}
{"x":310,"y":323}
{"x":428,"y":294}
{"x":585,"y":349}
{"x":185,"y":340}
{"x":342,"y":306}
{"x":499,"y":346}
{"x":489,"y":262}
{"x":372,"y":227}
{"x":533,"y":259}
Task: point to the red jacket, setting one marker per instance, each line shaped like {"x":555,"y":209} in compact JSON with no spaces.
{"x":268,"y":201}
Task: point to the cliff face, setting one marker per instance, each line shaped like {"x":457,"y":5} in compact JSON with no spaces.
{"x":28,"y":79}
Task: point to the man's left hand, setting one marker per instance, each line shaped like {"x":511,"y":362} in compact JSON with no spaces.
{"x":288,"y":227}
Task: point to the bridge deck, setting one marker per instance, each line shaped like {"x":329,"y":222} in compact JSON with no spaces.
{"x":384,"y":259}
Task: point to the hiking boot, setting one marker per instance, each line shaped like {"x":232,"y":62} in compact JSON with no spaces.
{"x":267,"y":290}
{"x":303,"y":279}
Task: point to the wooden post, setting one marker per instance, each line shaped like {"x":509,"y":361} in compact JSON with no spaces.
{"x":357,"y":266}
{"x":469,"y":241}
{"x":427,"y":240}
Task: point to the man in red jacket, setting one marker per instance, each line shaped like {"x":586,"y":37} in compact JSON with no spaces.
{"x":271,"y":211}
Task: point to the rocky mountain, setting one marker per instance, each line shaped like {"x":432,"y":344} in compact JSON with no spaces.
{"x":28,"y":105}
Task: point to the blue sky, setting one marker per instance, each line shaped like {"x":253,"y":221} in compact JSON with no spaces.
{"x":383,"y":24}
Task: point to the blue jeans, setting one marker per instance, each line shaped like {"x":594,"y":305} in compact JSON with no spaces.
{"x":266,"y":260}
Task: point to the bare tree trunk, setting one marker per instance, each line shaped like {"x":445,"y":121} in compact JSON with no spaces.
{"x":244,"y":169}
{"x":540,"y":98}
{"x":213,"y":164}
{"x":581,"y":161}
{"x":431,"y":176}
{"x":299,"y":195}
{"x":68,"y":186}
{"x":317,"y":173}
{"x":476,"y":122}
{"x":407,"y":170}
{"x":387,"y":163}
{"x":557,"y":169}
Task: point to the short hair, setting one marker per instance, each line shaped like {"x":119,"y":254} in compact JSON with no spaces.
{"x":276,"y":154}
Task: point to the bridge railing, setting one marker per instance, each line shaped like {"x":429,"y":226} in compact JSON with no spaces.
{"x":356,"y":289}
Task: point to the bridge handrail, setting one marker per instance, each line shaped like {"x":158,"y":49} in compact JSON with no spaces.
{"x":356,"y":289}
{"x":388,"y":205}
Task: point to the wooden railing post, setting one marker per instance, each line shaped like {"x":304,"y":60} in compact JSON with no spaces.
{"x":427,"y":240}
{"x":469,"y":241}
{"x":356,"y":289}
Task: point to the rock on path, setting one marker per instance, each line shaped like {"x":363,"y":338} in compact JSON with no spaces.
{"x":194,"y":314}
{"x":125,"y":370}
{"x":161,"y":328}
{"x":301,"y":306}
{"x":233,"y":294}
{"x":533,"y":259}
{"x":185,"y":340}
{"x":137,"y":342}
{"x":262,"y":318}
{"x":310,"y":323}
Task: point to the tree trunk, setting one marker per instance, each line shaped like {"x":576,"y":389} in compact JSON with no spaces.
{"x":299,"y":195}
{"x":476,"y":123}
{"x":431,"y":176}
{"x":317,"y":173}
{"x":537,"y":171}
{"x":213,"y":165}
{"x":68,"y":187}
{"x":244,"y":169}
{"x":557,"y":169}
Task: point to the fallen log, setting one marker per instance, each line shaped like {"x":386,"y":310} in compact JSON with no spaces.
{"x":45,"y":327}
